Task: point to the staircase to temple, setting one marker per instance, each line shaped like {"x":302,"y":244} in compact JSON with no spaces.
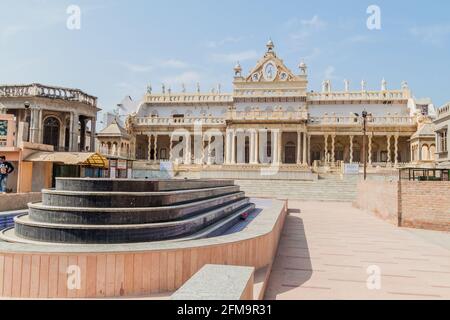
{"x":327,"y":188}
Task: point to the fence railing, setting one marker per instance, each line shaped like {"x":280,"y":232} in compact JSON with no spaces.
{"x":425,"y":174}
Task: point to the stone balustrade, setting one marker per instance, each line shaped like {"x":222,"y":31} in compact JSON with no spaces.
{"x":267,"y":115}
{"x":188,"y":98}
{"x":179,"y":121}
{"x":362,"y":95}
{"x":444,"y":111}
{"x":38,"y":90}
{"x":373,"y":121}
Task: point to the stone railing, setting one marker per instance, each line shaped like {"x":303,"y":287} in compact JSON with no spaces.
{"x":38,"y":90}
{"x":444,"y":111}
{"x":373,"y":121}
{"x":157,"y":121}
{"x":188,"y":98}
{"x":362,"y":95}
{"x":267,"y":115}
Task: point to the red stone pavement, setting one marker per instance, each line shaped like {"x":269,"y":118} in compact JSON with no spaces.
{"x":326,"y":250}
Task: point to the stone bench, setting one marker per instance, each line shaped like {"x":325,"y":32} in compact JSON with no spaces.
{"x":217,"y":282}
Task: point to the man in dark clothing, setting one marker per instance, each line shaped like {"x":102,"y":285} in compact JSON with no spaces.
{"x":6,"y":168}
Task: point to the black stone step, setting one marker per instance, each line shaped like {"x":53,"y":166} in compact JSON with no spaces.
{"x":126,"y":185}
{"x":130,"y":199}
{"x":115,"y":234}
{"x":102,"y":216}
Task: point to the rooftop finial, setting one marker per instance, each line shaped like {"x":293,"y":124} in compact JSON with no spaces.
{"x":237,"y":69}
{"x":270,"y":46}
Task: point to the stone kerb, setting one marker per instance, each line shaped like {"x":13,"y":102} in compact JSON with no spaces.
{"x":218,"y":282}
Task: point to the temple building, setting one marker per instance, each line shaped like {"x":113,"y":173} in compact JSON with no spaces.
{"x":442,"y":125}
{"x":46,"y":131}
{"x":272,"y":108}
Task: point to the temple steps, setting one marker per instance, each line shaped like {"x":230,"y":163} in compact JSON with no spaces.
{"x":321,"y":190}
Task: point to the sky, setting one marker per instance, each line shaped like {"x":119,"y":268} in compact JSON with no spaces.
{"x":123,"y":46}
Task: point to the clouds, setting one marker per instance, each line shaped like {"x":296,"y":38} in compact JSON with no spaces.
{"x":223,"y":42}
{"x":188,"y":77}
{"x":314,"y":23}
{"x":437,"y":35}
{"x":234,"y":57}
{"x":159,"y":64}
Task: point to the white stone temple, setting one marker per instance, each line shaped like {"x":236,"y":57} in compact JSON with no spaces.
{"x":300,"y":128}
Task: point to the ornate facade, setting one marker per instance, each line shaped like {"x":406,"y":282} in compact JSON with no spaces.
{"x":301,"y":128}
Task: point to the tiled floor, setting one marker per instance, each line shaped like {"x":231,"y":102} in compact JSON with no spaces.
{"x":327,"y":248}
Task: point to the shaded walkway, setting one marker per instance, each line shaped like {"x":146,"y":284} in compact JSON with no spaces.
{"x":326,"y":249}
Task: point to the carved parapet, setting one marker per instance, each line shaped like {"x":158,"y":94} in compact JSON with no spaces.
{"x":38,"y":90}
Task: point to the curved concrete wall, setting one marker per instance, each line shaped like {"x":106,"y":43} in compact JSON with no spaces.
{"x":102,"y":271}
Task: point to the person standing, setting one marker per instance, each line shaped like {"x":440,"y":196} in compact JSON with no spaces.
{"x":6,"y":168}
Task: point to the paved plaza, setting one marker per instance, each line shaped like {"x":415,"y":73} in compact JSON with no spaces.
{"x":326,"y":250}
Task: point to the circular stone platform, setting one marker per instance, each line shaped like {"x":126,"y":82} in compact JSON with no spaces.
{"x":104,"y":211}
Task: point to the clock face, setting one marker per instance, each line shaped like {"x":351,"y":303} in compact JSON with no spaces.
{"x":283,"y":76}
{"x":270,"y":71}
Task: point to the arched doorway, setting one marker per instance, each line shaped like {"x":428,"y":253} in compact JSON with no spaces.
{"x":290,"y":150}
{"x":51,"y":132}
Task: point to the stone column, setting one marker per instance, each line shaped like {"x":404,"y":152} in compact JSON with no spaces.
{"x":333,"y":148}
{"x":309,"y":150}
{"x":370,"y":149}
{"x":93,"y":131}
{"x":256,"y":147}
{"x":280,"y":147}
{"x":305,"y":150}
{"x":389,"y":158}
{"x":233,"y":147}
{"x":351,"y":149}
{"x":40,"y":131}
{"x":156,"y":148}
{"x":274,"y":135}
{"x":299,"y":149}
{"x":396,"y":150}
{"x":326,"y":148}
{"x":188,"y":153}
{"x":74,"y":119}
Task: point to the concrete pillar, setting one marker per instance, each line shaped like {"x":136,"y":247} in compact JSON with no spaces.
{"x":370,"y":149}
{"x":275,"y":154}
{"x":299,"y":149}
